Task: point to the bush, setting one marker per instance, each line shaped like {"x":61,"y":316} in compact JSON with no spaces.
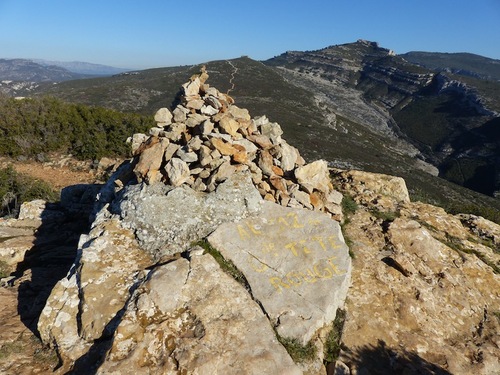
{"x":16,"y":189}
{"x":32,"y":126}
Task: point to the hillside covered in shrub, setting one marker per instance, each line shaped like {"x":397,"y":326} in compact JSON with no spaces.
{"x":34,"y":127}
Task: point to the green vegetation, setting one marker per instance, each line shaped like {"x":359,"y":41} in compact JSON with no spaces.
{"x":4,"y":269}
{"x":27,"y":342}
{"x":16,"y":189}
{"x":225,"y":264}
{"x":455,"y":244}
{"x":349,"y":205}
{"x":31,"y":127}
{"x":298,"y":352}
{"x":332,"y":343}
{"x":43,"y":354}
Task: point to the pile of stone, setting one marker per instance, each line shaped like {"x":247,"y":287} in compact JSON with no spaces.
{"x":206,"y":139}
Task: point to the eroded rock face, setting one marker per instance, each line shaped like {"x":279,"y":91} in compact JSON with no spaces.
{"x":83,"y":304}
{"x":190,"y":317}
{"x":424,"y":290}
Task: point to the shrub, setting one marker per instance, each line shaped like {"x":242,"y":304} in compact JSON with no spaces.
{"x":332,"y":343}
{"x":298,"y":352}
{"x":16,"y":189}
{"x":32,"y":126}
{"x":349,"y":205}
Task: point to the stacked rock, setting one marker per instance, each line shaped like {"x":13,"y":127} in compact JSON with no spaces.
{"x":206,"y":138}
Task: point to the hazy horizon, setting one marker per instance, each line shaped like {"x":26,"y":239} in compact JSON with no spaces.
{"x":153,"y":33}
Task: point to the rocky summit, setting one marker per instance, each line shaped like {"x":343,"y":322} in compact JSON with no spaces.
{"x":209,"y":250}
{"x":218,"y":250}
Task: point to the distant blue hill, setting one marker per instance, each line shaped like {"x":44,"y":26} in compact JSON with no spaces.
{"x":86,"y":68}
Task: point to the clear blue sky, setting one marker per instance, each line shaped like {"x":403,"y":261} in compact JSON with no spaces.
{"x":156,"y":33}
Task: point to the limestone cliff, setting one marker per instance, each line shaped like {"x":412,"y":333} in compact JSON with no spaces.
{"x":218,"y":250}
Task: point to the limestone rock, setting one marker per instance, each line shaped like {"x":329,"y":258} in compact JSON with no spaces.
{"x":229,"y":125}
{"x":81,"y":305}
{"x":289,"y":157}
{"x":180,"y":113}
{"x":296,"y":263}
{"x":389,"y":191}
{"x":190,"y":317}
{"x":239,"y":113}
{"x":163,"y":117}
{"x":150,"y":160}
{"x":429,"y":280}
{"x":166,"y":220}
{"x":177,"y":171}
{"x":223,"y":147}
{"x":313,"y":176}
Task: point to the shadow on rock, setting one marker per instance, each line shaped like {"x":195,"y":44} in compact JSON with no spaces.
{"x":54,"y":250}
{"x":383,"y":360}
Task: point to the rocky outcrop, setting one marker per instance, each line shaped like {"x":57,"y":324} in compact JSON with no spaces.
{"x":425,"y":287}
{"x":143,"y":297}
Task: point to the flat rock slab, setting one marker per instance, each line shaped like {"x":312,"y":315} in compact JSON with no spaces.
{"x":296,"y":262}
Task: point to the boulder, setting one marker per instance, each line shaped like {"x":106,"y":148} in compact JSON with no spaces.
{"x":81,"y":306}
{"x":163,"y":117}
{"x":166,"y":220}
{"x":296,"y":263}
{"x":177,"y":171}
{"x":190,"y":317}
{"x":314,"y":176}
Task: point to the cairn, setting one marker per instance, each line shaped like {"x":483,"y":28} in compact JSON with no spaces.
{"x":206,"y":138}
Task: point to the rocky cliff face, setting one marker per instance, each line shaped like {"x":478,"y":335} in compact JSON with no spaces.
{"x":440,"y":117}
{"x":217,"y":249}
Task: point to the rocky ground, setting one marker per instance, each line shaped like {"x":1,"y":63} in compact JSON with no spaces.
{"x":144,"y":290}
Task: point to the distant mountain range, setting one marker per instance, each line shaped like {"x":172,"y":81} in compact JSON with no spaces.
{"x":466,"y":64}
{"x":27,"y":70}
{"x":85,"y":68}
{"x":356,"y":105}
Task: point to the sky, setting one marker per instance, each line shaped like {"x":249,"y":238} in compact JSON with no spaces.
{"x":141,"y":34}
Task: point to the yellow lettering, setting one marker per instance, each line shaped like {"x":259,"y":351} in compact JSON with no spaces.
{"x":295,"y":220}
{"x":293,"y":278}
{"x":333,"y":243}
{"x":305,"y":249}
{"x":253,"y":229}
{"x":327,"y":275}
{"x":278,"y":283}
{"x":269,"y":248}
{"x":312,"y":277}
{"x":282,"y":221}
{"x":334,"y":266}
{"x":243,"y":233}
{"x":291,"y":246}
{"x":320,"y":241}
{"x":314,"y":222}
{"x":256,"y":265}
